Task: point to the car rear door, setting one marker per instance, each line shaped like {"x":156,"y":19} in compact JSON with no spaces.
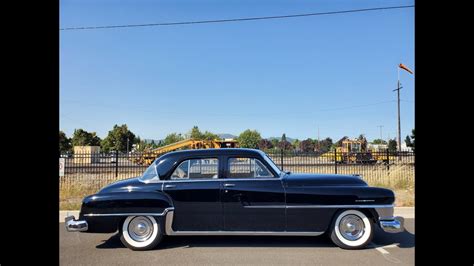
{"x":194,"y":187}
{"x":253,"y":198}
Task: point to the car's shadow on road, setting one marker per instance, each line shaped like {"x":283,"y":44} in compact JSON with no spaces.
{"x":403,"y":240}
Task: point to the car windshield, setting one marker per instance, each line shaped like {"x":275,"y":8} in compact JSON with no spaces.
{"x":150,"y":173}
{"x":273,"y":165}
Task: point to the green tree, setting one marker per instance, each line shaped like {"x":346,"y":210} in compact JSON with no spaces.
{"x":410,"y":140}
{"x":285,"y":145}
{"x":283,"y":137}
{"x":392,"y":145}
{"x":307,"y":145}
{"x":172,"y":138}
{"x":84,"y":138}
{"x":325,"y":145}
{"x":117,"y":139}
{"x":137,"y":140}
{"x":209,"y":136}
{"x":379,"y":141}
{"x":275,"y":142}
{"x":195,"y":133}
{"x":265,"y":144}
{"x":64,"y":143}
{"x":296,"y":143}
{"x":249,"y":139}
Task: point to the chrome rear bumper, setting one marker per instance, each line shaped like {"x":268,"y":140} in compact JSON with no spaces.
{"x":393,"y":225}
{"x":73,"y":225}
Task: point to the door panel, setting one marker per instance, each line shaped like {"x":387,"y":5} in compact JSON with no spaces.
{"x":197,"y":204}
{"x":253,"y":204}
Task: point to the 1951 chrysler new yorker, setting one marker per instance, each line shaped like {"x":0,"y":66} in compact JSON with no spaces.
{"x":235,"y":192}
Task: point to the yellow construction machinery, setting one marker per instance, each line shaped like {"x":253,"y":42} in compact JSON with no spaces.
{"x":149,"y":156}
{"x":352,"y":151}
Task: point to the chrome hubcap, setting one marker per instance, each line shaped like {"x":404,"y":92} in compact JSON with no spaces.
{"x":140,"y":229}
{"x":351,"y":227}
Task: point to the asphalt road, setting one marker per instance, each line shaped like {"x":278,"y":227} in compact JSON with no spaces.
{"x":106,"y":249}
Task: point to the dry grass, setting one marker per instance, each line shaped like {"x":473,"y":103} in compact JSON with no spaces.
{"x":70,"y":197}
{"x":399,"y":178}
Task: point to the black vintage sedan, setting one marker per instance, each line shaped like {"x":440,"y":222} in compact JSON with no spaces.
{"x":235,"y":192}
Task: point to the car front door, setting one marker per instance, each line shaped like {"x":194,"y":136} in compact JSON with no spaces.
{"x":194,"y":187}
{"x":253,"y":198}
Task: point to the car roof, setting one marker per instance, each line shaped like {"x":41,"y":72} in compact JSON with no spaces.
{"x":221,"y":151}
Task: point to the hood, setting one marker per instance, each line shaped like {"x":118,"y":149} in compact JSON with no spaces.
{"x":122,"y":185}
{"x":297,"y":179}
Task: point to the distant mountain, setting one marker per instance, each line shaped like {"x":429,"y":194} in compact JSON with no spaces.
{"x":227,"y":136}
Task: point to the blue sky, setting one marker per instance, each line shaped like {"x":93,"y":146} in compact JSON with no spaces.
{"x":288,"y":76}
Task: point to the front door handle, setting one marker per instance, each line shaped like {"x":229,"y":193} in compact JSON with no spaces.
{"x":229,"y":185}
{"x":170,"y":186}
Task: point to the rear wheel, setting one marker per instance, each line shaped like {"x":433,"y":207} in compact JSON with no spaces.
{"x":140,"y":232}
{"x":351,"y":229}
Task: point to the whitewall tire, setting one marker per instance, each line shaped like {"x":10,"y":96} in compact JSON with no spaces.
{"x":351,"y":229}
{"x":140,"y":232}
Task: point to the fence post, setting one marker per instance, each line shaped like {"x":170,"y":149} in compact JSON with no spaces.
{"x":335,"y":161}
{"x":281,"y":158}
{"x":388,"y":160}
{"x":116,"y":163}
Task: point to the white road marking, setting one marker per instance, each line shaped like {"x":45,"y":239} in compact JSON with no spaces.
{"x":385,"y":253}
{"x":391,"y":246}
{"x":381,"y":250}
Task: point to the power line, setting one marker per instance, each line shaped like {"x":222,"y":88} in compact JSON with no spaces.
{"x":236,"y":19}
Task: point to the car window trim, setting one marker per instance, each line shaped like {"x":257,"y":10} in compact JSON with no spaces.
{"x":227,"y":169}
{"x":189,"y":166}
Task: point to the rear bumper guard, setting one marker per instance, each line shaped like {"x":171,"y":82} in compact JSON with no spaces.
{"x":393,"y":225}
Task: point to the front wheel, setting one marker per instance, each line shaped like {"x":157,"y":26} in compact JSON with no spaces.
{"x":140,"y":232}
{"x":351,"y":229}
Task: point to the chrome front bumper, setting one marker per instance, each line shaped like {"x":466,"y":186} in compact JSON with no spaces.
{"x":393,"y":225}
{"x":73,"y":225}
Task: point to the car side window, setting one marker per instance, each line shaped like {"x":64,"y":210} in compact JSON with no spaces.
{"x":196,"y":169}
{"x":247,"y":168}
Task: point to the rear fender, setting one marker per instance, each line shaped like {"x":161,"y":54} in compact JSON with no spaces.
{"x":104,"y":212}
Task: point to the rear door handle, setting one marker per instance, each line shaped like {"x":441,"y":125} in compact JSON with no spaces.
{"x":170,"y":186}
{"x":229,"y":185}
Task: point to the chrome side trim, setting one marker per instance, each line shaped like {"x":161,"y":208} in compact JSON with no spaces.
{"x":320,"y":206}
{"x":221,"y":179}
{"x":265,"y":207}
{"x":340,"y":206}
{"x":169,"y":230}
{"x":365,"y":200}
{"x":129,"y":214}
{"x":381,"y":209}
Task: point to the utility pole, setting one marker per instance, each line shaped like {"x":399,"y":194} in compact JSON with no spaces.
{"x":399,"y":133}
{"x":381,"y":126}
{"x":398,"y":104}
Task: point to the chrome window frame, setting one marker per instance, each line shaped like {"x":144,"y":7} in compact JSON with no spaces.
{"x":189,"y":167}
{"x":272,"y":177}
